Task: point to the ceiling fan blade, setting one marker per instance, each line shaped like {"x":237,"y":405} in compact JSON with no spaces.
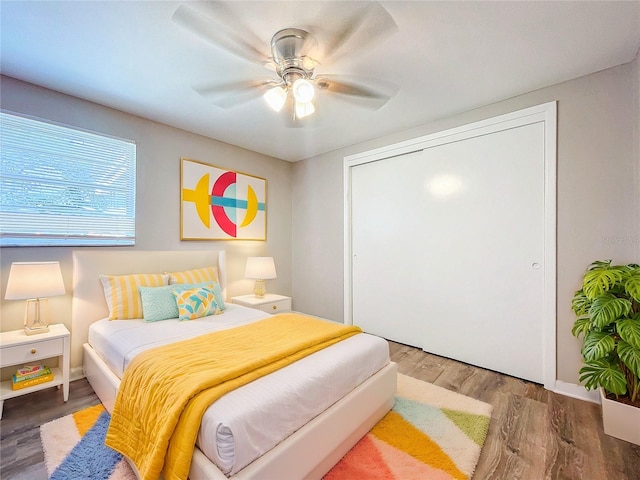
{"x":357,"y":90}
{"x":230,"y":95}
{"x":366,"y":22}
{"x":217,"y":25}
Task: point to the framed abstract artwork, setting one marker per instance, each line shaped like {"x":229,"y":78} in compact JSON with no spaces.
{"x":221,"y":204}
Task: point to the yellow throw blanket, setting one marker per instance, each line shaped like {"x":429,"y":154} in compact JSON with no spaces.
{"x":165,"y":391}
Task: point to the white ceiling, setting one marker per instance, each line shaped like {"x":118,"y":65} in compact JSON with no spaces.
{"x":445,"y":57}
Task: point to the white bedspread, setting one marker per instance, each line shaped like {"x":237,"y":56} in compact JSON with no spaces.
{"x":249,"y":421}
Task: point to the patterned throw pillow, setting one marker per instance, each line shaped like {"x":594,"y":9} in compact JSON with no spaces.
{"x":195,"y":303}
{"x":158,"y":303}
{"x":122,"y":296}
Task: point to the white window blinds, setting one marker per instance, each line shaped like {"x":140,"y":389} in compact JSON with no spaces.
{"x":64,"y":187}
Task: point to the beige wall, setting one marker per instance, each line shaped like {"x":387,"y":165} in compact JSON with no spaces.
{"x":159,"y":149}
{"x":636,"y":141}
{"x":598,"y":193}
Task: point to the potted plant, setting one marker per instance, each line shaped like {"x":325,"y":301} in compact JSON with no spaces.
{"x":608,"y":316}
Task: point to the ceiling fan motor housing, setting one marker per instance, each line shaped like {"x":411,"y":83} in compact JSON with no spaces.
{"x":291,"y":49}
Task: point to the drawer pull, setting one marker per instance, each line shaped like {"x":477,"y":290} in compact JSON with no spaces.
{"x":33,"y":350}
{"x":275,"y":307}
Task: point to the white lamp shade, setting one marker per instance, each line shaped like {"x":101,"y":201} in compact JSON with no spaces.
{"x":303,"y":90}
{"x":275,"y":98}
{"x":304,"y":109}
{"x":34,"y":280}
{"x":260,"y":268}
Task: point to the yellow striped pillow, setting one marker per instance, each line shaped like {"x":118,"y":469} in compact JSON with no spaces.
{"x":122,"y":295}
{"x":198,"y":275}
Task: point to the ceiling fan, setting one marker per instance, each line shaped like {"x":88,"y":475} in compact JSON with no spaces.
{"x":295,"y":54}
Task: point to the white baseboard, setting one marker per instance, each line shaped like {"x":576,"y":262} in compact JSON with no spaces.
{"x":576,"y":391}
{"x":76,"y":373}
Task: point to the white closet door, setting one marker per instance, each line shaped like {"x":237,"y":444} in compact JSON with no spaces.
{"x":388,"y":272}
{"x":448,"y":245}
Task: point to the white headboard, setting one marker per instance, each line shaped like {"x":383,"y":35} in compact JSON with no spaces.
{"x":88,"y":303}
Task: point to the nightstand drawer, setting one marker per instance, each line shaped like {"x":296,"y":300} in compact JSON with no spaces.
{"x":32,"y":351}
{"x":270,"y":303}
{"x":276,"y":307}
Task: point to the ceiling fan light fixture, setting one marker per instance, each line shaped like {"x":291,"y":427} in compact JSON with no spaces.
{"x":304,"y":109}
{"x":275,"y":98}
{"x":303,"y":90}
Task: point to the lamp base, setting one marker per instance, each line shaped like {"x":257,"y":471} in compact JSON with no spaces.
{"x":35,"y":330}
{"x":36,"y":315}
{"x":259,"y":289}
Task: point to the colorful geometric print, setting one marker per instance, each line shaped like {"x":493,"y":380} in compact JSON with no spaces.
{"x":235,"y":201}
{"x":420,"y":438}
{"x":74,"y":448}
{"x":195,"y":303}
{"x":431,"y":433}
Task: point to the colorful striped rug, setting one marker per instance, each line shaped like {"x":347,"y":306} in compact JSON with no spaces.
{"x":431,"y":433}
{"x":74,"y":448}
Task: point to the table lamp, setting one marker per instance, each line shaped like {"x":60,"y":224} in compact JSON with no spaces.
{"x":260,"y":269}
{"x":34,"y":281}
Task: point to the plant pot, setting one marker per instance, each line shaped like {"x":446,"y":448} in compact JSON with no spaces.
{"x":620,"y":420}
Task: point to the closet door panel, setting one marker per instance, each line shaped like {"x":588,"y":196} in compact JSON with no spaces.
{"x":387,"y":276}
{"x":448,"y":245}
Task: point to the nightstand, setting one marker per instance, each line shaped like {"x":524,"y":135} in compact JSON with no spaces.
{"x":18,"y":348}
{"x":270,"y":303}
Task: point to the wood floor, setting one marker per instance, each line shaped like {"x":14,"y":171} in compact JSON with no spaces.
{"x":534,"y":434}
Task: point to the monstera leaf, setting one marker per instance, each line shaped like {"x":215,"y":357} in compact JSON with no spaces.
{"x":632,"y":283}
{"x":601,"y":277}
{"x":597,"y":345}
{"x":608,"y":308}
{"x":606,"y":373}
{"x":582,"y":325}
{"x":580,"y":303}
{"x":630,"y":357}
{"x":629,"y":330}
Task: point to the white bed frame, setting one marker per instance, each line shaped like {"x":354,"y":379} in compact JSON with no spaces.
{"x":307,"y":454}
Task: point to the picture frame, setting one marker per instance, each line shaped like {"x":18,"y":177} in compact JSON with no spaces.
{"x":221,"y":204}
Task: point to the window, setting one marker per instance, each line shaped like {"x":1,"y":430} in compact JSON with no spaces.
{"x":60,"y":186}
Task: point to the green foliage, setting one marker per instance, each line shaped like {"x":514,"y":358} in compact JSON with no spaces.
{"x":629,"y":330}
{"x":608,"y":317}
{"x":597,"y":345}
{"x":632,"y":284}
{"x":630,"y":357}
{"x":580,"y":303}
{"x":604,"y":373}
{"x":607,"y":308}
{"x":601,"y":277}
{"x":581,"y":325}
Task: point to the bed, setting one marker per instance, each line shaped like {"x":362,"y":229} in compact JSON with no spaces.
{"x":307,"y":453}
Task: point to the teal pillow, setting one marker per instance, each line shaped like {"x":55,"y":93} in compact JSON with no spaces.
{"x":217,"y":292}
{"x":158,"y":303}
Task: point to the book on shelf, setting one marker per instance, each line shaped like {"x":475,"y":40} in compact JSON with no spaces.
{"x":31,"y":382}
{"x":30,"y":371}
